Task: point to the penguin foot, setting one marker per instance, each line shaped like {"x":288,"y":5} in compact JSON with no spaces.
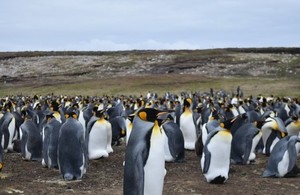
{"x":69,"y":177}
{"x":293,"y":173}
{"x":252,"y":162}
{"x":218,"y":180}
{"x":179,"y":160}
{"x":54,"y":166}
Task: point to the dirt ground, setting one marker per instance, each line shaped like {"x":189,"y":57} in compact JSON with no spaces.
{"x":105,"y":176}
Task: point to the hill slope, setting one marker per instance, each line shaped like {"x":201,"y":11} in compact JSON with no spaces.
{"x":52,"y":68}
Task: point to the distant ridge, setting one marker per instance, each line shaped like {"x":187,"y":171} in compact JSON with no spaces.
{"x":13,"y":54}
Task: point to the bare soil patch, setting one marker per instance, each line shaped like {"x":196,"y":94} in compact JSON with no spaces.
{"x":121,"y":72}
{"x":105,"y":176}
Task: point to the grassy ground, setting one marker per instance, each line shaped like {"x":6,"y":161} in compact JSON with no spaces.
{"x":263,"y":71}
{"x":174,"y":83}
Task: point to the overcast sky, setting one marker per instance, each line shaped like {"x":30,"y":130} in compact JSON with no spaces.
{"x":103,"y":25}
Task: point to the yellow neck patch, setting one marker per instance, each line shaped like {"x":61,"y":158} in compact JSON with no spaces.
{"x":123,"y":132}
{"x":255,"y":123}
{"x":276,"y":126}
{"x":156,"y":129}
{"x":297,"y":123}
{"x":187,"y":110}
{"x":56,"y":115}
{"x":1,"y":166}
{"x":101,"y":120}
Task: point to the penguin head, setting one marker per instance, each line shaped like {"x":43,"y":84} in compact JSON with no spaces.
{"x":151,"y":115}
{"x":228,"y":123}
{"x":131,"y":117}
{"x":295,"y":118}
{"x":215,"y":114}
{"x":140,"y":103}
{"x":38,"y":106}
{"x":54,"y":105}
{"x":95,"y":108}
{"x":99,"y":113}
{"x":49,"y":115}
{"x":259,"y":124}
{"x":71,"y":112}
{"x":75,"y":105}
{"x":187,"y":102}
{"x":8,"y":106}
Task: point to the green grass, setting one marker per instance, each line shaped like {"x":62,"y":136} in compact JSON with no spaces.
{"x":72,"y":78}
{"x":174,"y":83}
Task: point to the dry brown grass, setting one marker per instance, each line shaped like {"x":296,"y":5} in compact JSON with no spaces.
{"x":174,"y":83}
{"x":257,"y":71}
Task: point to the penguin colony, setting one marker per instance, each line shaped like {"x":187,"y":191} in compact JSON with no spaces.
{"x":65,"y":132}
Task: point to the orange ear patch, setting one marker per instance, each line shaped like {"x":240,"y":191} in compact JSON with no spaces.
{"x":1,"y":166}
{"x":222,"y":125}
{"x":143,"y":115}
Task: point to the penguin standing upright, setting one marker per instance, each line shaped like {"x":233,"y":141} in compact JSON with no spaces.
{"x":177,"y":112}
{"x":293,"y":125}
{"x":210,"y":124}
{"x":144,"y":169}
{"x":99,"y":141}
{"x":118,"y":123}
{"x":31,"y":140}
{"x":188,"y":125}
{"x":1,"y":149}
{"x":129,"y":122}
{"x":51,"y":132}
{"x":8,"y":128}
{"x":215,"y":160}
{"x":244,"y":142}
{"x":72,"y":152}
{"x":46,"y":139}
{"x":58,"y":114}
{"x":174,"y":142}
{"x":283,"y":158}
{"x":1,"y":152}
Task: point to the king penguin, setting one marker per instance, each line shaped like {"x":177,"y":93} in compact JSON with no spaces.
{"x":293,"y":125}
{"x":244,"y":142}
{"x":215,"y":160}
{"x":272,"y":131}
{"x":51,"y":129}
{"x":188,"y":125}
{"x":174,"y":142}
{"x":100,"y":135}
{"x":1,"y":152}
{"x":31,"y":140}
{"x":283,"y":158}
{"x":1,"y":149}
{"x":144,"y":169}
{"x":129,"y":122}
{"x":72,"y":152}
{"x":8,"y":128}
{"x":118,"y":126}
